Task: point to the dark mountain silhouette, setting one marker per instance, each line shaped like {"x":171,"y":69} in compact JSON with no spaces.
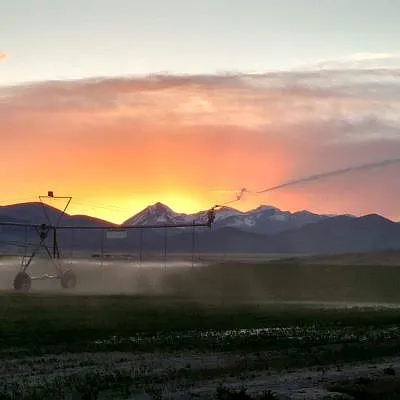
{"x":18,"y":237}
{"x":341,"y":234}
{"x":38,"y":213}
{"x":233,"y":232}
{"x":333,"y":235}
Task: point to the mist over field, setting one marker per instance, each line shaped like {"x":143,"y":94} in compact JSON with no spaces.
{"x":344,"y":280}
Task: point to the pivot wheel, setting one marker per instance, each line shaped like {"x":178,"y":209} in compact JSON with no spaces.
{"x":22,"y":282}
{"x":68,"y":280}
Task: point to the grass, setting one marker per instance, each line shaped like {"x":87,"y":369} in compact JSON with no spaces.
{"x":88,"y":386}
{"x":290,"y":281}
{"x":270,"y":337}
{"x":216,"y":298}
{"x":261,"y":282}
{"x":219,"y":309}
{"x":76,"y":323}
{"x":107,"y":385}
{"x":385,"y":388}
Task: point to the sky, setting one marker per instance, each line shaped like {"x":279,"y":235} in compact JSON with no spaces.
{"x":121,"y":104}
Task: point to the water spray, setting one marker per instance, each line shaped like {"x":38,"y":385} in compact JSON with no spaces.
{"x":315,"y":177}
{"x":239,"y":197}
{"x":332,"y":173}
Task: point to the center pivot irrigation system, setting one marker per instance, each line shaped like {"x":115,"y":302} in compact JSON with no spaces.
{"x":22,"y":281}
{"x":67,"y":277}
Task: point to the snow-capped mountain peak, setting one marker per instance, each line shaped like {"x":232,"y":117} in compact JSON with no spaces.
{"x":263,"y":219}
{"x":156,"y":214}
{"x":226,"y":212}
{"x":264,"y":207}
{"x":158,"y":208}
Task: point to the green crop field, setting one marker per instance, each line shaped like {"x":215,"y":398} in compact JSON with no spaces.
{"x":36,"y":322}
{"x":211,"y":324}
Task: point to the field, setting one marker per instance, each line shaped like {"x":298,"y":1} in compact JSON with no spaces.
{"x":298,"y":330}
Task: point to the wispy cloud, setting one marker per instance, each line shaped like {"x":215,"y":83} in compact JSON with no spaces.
{"x":208,"y":132}
{"x":347,"y":99}
{"x":366,"y":60}
{"x":3,"y":56}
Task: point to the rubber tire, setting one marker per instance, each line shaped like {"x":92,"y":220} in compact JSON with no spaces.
{"x":22,"y":282}
{"x":68,"y":280}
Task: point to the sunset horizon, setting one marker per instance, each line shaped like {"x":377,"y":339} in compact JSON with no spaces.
{"x":117,"y":214}
{"x":118,"y":118}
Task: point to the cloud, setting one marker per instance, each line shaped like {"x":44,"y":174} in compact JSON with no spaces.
{"x":365,"y":60}
{"x":204,"y":134}
{"x":249,"y":101}
{"x":3,"y":56}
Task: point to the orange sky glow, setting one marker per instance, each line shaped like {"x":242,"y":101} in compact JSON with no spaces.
{"x":119,"y":145}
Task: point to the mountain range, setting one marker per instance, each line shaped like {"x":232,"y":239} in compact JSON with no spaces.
{"x":264,"y":219}
{"x":266,"y":229}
